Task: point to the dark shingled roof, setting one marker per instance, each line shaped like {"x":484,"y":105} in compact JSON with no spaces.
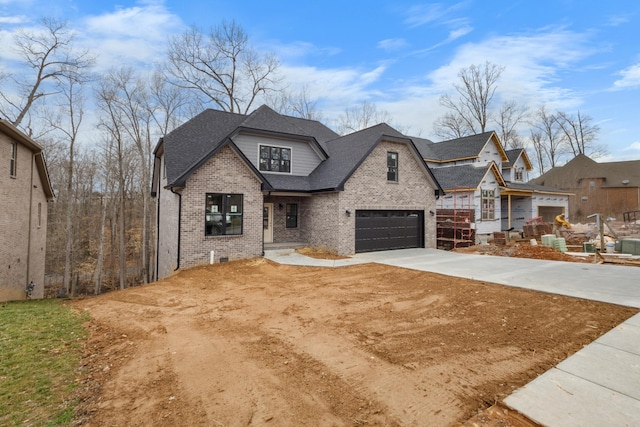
{"x":459,"y":148}
{"x":424,"y":147}
{"x":189,"y":143}
{"x":188,"y":146}
{"x":460,"y":176}
{"x":346,"y":153}
{"x":512,"y":155}
{"x":582,"y":167}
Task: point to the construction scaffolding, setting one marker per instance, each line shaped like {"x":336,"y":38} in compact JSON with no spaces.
{"x":456,"y":225}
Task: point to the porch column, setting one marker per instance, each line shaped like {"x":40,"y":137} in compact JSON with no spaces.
{"x":509,"y":205}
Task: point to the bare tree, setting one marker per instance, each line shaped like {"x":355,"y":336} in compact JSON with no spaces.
{"x":580,"y":134}
{"x":510,"y":116}
{"x":551,"y":141}
{"x":297,"y":104}
{"x":50,"y":57}
{"x":471,"y":108}
{"x":130,"y":102}
{"x":361,"y":117}
{"x":67,"y":124}
{"x":107,"y":188}
{"x":221,"y":67}
{"x":451,"y":126}
{"x":111,"y":122}
{"x":539,"y":149}
{"x":167,"y":103}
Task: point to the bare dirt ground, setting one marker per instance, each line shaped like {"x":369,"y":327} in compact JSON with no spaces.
{"x":257,"y":343}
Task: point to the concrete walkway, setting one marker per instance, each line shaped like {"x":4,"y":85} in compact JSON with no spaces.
{"x":597,"y":386}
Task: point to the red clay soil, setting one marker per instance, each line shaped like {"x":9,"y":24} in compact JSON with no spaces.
{"x":257,"y":343}
{"x":523,"y":250}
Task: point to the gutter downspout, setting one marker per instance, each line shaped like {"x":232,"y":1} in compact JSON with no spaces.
{"x":157,"y":235}
{"x":179,"y":227}
{"x":30,"y":221}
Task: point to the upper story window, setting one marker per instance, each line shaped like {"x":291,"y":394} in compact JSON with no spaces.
{"x":275,"y":159}
{"x":13,"y":158}
{"x":392,"y":166}
{"x":223,"y":214}
{"x":518,"y":175}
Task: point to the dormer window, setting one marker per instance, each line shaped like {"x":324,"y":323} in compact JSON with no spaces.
{"x":275,"y":159}
{"x":518,"y":175}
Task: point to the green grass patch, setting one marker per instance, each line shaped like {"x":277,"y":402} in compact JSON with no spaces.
{"x":40,"y":352}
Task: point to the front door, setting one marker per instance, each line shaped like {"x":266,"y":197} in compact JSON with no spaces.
{"x":267,"y":222}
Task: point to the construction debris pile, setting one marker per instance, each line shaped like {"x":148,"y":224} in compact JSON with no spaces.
{"x":603,"y":241}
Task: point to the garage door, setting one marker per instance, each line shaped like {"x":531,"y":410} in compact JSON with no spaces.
{"x":384,"y":230}
{"x":549,"y":213}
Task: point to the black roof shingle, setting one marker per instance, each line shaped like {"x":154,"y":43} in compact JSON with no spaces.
{"x":191,"y":144}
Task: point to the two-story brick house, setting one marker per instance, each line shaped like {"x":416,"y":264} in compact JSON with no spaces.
{"x":25,"y":189}
{"x":608,"y":188}
{"x":228,"y":185}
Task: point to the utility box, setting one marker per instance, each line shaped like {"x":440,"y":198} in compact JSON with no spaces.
{"x":630,"y":246}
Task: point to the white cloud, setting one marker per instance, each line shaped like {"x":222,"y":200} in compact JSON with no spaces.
{"x":392,"y":44}
{"x":133,"y":35}
{"x":615,"y":20}
{"x":635,"y":146}
{"x":297,"y":50}
{"x":457,"y":33}
{"x":630,"y":78}
{"x":14,"y":20}
{"x":431,"y":13}
{"x":531,"y":61}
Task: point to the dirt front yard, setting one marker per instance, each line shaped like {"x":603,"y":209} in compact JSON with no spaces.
{"x":257,"y":343}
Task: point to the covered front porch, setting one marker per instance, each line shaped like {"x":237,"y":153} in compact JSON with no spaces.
{"x":283,"y":220}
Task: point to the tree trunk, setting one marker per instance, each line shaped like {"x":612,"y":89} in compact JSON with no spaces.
{"x":100,"y":260}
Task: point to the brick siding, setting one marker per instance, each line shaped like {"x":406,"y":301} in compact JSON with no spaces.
{"x":322,"y":221}
{"x":225,"y":173}
{"x":22,"y":261}
{"x":368,"y":188}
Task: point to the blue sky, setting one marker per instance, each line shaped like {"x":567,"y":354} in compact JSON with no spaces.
{"x":399,"y":55}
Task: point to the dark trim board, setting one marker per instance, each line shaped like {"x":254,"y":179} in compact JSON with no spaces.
{"x":381,"y":230}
